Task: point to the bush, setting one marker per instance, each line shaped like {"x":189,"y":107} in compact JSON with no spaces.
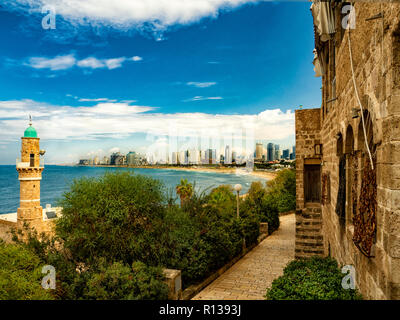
{"x":262,"y":205}
{"x":282,"y":190}
{"x":311,"y":279}
{"x":20,"y":274}
{"x":119,"y":281}
{"x":206,"y":234}
{"x":110,"y":223}
{"x":118,"y":216}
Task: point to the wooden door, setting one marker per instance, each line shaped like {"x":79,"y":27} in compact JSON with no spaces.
{"x":312,"y":183}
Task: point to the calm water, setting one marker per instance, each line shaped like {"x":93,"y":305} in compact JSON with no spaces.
{"x":56,"y":180}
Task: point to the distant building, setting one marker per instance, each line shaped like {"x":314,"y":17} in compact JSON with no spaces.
{"x":270,"y":152}
{"x":276,"y":153}
{"x":211,"y":156}
{"x":174,"y":158}
{"x":286,"y":154}
{"x":259,"y":151}
{"x":194,"y":156}
{"x":84,"y":162}
{"x":234,"y":156}
{"x":228,"y":155}
{"x":133,"y":159}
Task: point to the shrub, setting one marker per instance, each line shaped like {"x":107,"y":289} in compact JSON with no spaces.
{"x":282,"y":190}
{"x":120,"y":281}
{"x":205,"y":233}
{"x":261,"y":204}
{"x":20,"y":274}
{"x":311,"y":279}
{"x":118,"y":216}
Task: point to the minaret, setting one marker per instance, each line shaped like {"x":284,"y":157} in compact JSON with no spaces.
{"x":30,"y":169}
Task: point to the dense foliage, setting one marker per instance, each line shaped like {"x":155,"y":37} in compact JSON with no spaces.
{"x":261,"y":204}
{"x":282,"y":190}
{"x":20,"y":274}
{"x":118,"y":231}
{"x":312,"y":279}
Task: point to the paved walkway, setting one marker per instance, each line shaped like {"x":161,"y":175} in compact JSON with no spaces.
{"x":249,"y":278}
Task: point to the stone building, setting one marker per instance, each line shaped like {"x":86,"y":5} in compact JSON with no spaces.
{"x":348,"y":151}
{"x":30,"y":167}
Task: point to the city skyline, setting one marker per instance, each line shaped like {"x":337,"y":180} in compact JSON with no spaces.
{"x":226,"y":154}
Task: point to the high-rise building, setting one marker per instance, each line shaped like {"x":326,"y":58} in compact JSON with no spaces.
{"x":211,"y":156}
{"x":234,"y":156}
{"x":174,"y":158}
{"x":194,"y":156}
{"x":285,"y":154}
{"x":132,"y":159}
{"x":114,"y":157}
{"x":270,"y":152}
{"x":259,"y":150}
{"x":276,"y":153}
{"x":228,"y":155}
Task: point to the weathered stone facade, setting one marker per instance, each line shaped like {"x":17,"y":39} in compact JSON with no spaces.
{"x":375,"y":48}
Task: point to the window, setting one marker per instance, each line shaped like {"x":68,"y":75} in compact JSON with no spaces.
{"x":32,"y":160}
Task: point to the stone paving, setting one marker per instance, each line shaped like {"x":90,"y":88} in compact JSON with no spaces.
{"x":249,"y":278}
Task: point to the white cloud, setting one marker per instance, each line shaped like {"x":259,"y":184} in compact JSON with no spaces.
{"x":201,"y":98}
{"x":56,"y":63}
{"x":114,"y":63}
{"x":201,"y":84}
{"x":91,"y":62}
{"x":63,"y":62}
{"x":123,"y":14}
{"x":116,"y":120}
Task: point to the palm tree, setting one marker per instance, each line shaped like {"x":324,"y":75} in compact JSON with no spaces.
{"x":184,"y":190}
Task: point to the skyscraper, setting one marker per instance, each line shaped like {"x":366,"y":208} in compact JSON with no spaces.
{"x":286,"y":153}
{"x":228,"y":155}
{"x":259,"y":150}
{"x":270,"y":152}
{"x":276,"y":153}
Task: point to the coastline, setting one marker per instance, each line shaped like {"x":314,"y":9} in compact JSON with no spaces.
{"x":240,"y":171}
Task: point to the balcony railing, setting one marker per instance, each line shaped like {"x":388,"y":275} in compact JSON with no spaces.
{"x":21,"y":164}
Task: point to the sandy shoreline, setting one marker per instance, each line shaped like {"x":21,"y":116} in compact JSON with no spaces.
{"x":239,"y":171}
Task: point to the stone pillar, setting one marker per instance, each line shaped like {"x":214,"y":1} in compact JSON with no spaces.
{"x":174,"y":281}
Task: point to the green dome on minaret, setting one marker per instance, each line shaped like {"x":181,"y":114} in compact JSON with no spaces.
{"x":30,"y":132}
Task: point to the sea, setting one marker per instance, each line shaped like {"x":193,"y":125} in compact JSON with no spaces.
{"x":57,"y":179}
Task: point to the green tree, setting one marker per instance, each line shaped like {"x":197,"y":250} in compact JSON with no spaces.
{"x":21,"y":274}
{"x":185,"y":191}
{"x":118,"y":216}
{"x":282,"y":190}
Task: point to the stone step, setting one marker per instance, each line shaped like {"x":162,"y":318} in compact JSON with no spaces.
{"x":307,"y":229}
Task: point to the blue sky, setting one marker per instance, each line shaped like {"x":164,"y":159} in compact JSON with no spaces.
{"x":126,"y":78}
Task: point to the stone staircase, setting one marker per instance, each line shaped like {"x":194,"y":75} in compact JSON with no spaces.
{"x":309,"y":239}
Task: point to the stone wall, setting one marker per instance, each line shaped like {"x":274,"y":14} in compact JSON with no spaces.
{"x":375,"y":48}
{"x":308,"y":215}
